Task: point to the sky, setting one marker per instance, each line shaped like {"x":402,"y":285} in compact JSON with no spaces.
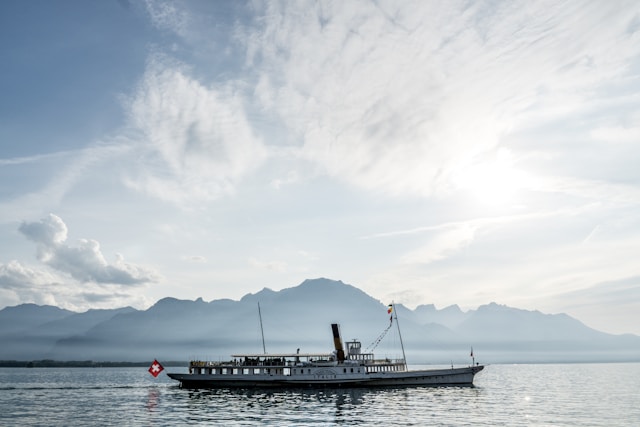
{"x":426,"y":152}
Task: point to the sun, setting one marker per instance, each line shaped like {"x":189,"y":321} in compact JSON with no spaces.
{"x":493,"y":179}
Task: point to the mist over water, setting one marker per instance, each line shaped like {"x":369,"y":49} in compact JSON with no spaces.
{"x":561,"y":394}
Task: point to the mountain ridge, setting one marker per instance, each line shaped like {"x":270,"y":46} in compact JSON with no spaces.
{"x":299,"y":317}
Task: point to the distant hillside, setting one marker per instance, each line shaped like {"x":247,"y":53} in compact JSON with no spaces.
{"x":299,"y":317}
{"x":31,"y":330}
{"x":27,"y":316}
{"x":450,"y":316}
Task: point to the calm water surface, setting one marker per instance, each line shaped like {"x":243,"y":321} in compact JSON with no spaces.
{"x":508,"y":395}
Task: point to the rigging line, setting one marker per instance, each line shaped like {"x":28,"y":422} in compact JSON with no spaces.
{"x":377,"y":341}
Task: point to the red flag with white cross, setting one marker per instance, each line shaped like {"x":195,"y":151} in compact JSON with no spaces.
{"x":155,"y":368}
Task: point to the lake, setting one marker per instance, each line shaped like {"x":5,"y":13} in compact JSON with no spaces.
{"x":507,"y":395}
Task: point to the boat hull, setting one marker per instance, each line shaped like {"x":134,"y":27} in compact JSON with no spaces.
{"x":330,"y":378}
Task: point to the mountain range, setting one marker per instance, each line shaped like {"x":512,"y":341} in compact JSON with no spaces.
{"x":300,"y":317}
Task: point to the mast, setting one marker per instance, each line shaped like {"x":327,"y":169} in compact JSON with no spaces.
{"x":264,"y":349}
{"x":395,"y":314}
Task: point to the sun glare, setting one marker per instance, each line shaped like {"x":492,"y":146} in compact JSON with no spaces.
{"x":492,"y":180}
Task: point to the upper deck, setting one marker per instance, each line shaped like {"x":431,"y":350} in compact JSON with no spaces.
{"x":283,"y":362}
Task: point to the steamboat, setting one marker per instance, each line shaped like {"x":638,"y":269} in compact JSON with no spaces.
{"x":339,"y":368}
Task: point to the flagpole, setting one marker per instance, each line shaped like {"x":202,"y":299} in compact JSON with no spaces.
{"x":395,"y":314}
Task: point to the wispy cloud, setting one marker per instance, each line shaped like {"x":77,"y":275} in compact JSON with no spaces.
{"x":195,"y":258}
{"x":54,"y":175}
{"x":441,"y":245}
{"x":167,"y":15}
{"x":611,"y":194}
{"x":32,"y":159}
{"x":290,"y":178}
{"x":476,"y":223}
{"x":194,"y":142}
{"x":625,"y":290}
{"x":395,"y":98}
{"x":277,"y":266}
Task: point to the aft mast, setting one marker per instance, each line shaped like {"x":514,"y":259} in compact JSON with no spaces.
{"x":264,"y":349}
{"x":395,"y":314}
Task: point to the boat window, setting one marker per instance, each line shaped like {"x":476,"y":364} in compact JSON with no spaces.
{"x":235,"y":371}
{"x":256,"y":371}
{"x":352,"y":370}
{"x":344,"y":370}
{"x":245,"y":371}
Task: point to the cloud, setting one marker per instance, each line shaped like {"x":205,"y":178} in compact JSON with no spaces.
{"x":277,"y":266}
{"x":14,"y":276}
{"x":167,"y":16}
{"x":24,"y":284}
{"x":54,"y":175}
{"x":614,"y":292}
{"x":50,"y":231}
{"x":83,"y":262}
{"x":610,"y":194}
{"x":291,"y":178}
{"x":194,"y":142}
{"x":442,"y":245}
{"x":617,"y":134}
{"x":19,"y":283}
{"x":194,"y":258}
{"x":397,"y":97}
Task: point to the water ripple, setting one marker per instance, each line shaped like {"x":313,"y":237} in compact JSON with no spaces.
{"x":505,"y":395}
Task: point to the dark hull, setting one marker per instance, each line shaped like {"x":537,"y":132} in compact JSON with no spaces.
{"x":432,"y":377}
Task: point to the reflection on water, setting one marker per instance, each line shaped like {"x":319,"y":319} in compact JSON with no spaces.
{"x":314,"y":406}
{"x":266,"y":406}
{"x":153,"y":398}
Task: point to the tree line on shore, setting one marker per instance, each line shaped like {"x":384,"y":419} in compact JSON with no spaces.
{"x":47,"y":363}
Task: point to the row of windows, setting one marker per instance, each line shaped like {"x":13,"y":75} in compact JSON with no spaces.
{"x":258,"y":371}
{"x":236,"y":371}
{"x":344,"y":370}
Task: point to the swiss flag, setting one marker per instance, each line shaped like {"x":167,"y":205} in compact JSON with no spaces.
{"x":155,"y":368}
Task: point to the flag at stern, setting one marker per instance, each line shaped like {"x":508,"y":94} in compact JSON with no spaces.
{"x":155,"y":368}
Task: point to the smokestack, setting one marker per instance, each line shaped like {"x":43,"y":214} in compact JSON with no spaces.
{"x":337,"y":342}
